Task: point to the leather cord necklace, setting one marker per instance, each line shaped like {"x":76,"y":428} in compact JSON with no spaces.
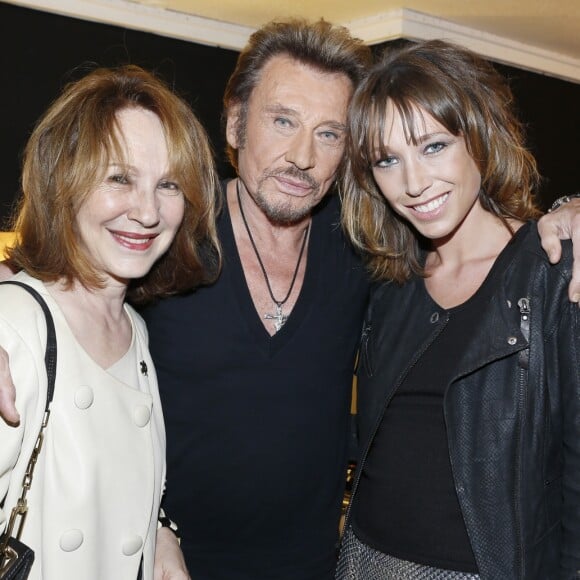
{"x":279,"y":317}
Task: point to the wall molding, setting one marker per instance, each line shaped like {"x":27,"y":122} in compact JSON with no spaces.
{"x":414,"y":25}
{"x":390,"y":25}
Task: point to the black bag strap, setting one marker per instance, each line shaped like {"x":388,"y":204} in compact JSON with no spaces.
{"x":20,"y":509}
{"x":50,"y":354}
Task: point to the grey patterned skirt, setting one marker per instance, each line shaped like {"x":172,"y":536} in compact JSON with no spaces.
{"x":357,"y":561}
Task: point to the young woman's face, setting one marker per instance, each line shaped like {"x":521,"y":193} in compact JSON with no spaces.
{"x":130,"y":219}
{"x":434,"y":184}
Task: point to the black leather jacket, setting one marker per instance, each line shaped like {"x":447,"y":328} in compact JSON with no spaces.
{"x":512,"y":412}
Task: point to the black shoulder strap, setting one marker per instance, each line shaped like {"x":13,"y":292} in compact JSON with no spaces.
{"x":50,"y":354}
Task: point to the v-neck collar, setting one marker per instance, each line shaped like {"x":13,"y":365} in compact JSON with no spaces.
{"x":306,"y":299}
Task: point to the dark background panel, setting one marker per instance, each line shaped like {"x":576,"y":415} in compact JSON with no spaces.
{"x":40,"y":52}
{"x":550,"y":109}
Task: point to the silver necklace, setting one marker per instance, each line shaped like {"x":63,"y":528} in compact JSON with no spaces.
{"x":278,"y":317}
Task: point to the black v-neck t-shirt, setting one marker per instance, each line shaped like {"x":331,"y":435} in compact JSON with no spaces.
{"x":257,"y":424}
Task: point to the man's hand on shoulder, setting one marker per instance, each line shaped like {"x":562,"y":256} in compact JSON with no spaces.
{"x":8,"y":410}
{"x":563,"y":223}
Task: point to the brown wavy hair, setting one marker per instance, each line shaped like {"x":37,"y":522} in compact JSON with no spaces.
{"x":320,"y":44}
{"x":65,"y":158}
{"x":468,"y":97}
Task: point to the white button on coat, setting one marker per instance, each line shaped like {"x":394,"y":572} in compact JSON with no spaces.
{"x":84,"y":397}
{"x":132,"y":544}
{"x":141,"y":415}
{"x":71,"y":540}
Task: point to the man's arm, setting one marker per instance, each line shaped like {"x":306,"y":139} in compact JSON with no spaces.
{"x":563,"y":224}
{"x":564,"y":361}
{"x":8,"y":410}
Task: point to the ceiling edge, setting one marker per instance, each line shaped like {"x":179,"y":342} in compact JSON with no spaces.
{"x":145,"y":18}
{"x":401,"y":23}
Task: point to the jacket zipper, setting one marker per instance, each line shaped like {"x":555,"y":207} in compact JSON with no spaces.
{"x":523,"y":360}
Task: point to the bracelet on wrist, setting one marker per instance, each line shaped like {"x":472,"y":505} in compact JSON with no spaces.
{"x":562,"y":200}
{"x":164,"y":522}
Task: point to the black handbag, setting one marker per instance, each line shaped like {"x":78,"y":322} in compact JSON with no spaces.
{"x":16,"y":558}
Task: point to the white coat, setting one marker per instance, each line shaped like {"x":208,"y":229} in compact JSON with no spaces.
{"x":95,"y":495}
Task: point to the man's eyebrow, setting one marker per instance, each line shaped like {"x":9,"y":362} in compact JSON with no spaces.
{"x":283,"y":110}
{"x":280,"y":109}
{"x":334,"y":125}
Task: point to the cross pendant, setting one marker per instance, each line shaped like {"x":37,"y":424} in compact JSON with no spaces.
{"x":279,"y":318}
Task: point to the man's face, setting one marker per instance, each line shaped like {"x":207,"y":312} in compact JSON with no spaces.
{"x":292,"y":141}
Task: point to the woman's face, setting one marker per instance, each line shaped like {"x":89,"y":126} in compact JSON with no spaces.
{"x":130,"y":219}
{"x":434,"y":184}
